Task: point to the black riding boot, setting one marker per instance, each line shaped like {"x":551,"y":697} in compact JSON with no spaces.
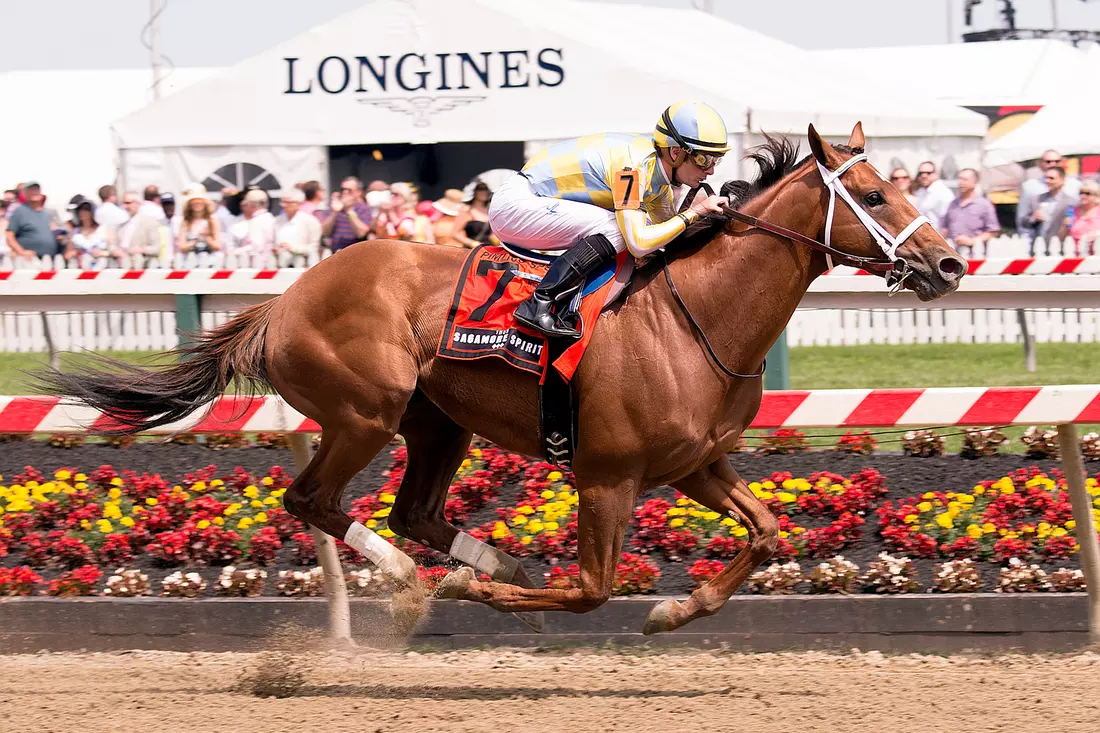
{"x":568,"y":271}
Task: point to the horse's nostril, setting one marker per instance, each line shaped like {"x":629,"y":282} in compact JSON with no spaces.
{"x":952,"y":267}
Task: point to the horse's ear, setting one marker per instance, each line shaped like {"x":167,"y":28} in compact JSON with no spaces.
{"x":823,"y":151}
{"x":857,"y":140}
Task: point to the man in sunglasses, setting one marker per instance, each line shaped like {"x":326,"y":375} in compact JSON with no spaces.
{"x":598,"y":195}
{"x":1033,"y":189}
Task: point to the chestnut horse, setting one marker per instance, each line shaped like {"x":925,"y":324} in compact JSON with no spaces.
{"x":352,"y":345}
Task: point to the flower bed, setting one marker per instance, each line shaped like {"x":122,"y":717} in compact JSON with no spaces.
{"x":58,"y":530}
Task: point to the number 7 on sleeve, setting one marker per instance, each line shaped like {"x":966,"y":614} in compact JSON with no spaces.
{"x":626,"y":190}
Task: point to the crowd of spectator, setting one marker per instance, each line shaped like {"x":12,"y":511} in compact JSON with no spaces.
{"x":1050,"y":205}
{"x":159,"y":225}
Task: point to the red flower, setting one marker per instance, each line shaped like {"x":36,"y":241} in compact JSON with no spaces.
{"x":116,"y":550}
{"x":20,"y":581}
{"x":703,"y":571}
{"x":79,"y":582}
{"x":263,"y":545}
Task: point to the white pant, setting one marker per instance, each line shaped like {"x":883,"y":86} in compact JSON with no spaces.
{"x":521,"y":217}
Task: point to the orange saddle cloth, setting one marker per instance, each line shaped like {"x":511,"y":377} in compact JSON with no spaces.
{"x":494,"y":280}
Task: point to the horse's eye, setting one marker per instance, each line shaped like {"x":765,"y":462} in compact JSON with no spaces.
{"x":875,"y":198}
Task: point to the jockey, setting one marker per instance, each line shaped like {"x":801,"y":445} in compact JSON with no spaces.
{"x":595,"y":196}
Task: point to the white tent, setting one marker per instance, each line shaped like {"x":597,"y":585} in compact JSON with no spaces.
{"x":1067,"y":125}
{"x":988,"y":74}
{"x":426,"y":71}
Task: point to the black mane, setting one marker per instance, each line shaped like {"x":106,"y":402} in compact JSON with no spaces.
{"x":775,"y":159}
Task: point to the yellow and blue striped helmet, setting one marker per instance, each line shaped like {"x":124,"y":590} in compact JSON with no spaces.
{"x":692,"y":125}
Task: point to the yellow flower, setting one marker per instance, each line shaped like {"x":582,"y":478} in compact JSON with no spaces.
{"x":62,"y":475}
{"x":783,"y":534}
{"x":151,"y":501}
{"x":548,"y":494}
{"x":278,"y":492}
{"x":554,"y":476}
{"x":519,"y":519}
{"x":271,"y":501}
{"x":256,"y":504}
{"x":216,"y":483}
{"x":465,"y":465}
{"x":1059,"y":532}
{"x":928,"y":495}
{"x":116,"y":481}
{"x":476,"y":452}
{"x":924,"y":506}
{"x":104,"y":526}
{"x":728,"y":522}
{"x":945,"y":521}
{"x":218,"y":521}
{"x":244,"y":523}
{"x":384,"y":512}
{"x":786,"y":497}
{"x":526,"y":540}
{"x":678,"y":522}
{"x":115,"y":494}
{"x":198,"y":486}
{"x":500,"y":530}
{"x":535,"y":525}
{"x":910,"y":518}
{"x":973,"y":531}
{"x":565,"y":495}
{"x":989,"y":528}
{"x":251,"y":492}
{"x":797,"y":530}
{"x":711,"y":516}
{"x":387,"y":533}
{"x":267,"y":481}
{"x":111,"y":511}
{"x":84,"y":523}
{"x":790,"y":484}
{"x":526,"y":509}
{"x":1071,"y":524}
{"x":202,"y":524}
{"x":739,"y":531}
{"x":126,"y":521}
{"x":386,"y":498}
{"x":80,"y":477}
{"x":260,"y":517}
{"x":231,"y":510}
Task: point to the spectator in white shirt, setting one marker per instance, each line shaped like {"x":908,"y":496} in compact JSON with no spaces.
{"x":297,"y":231}
{"x":109,"y":214}
{"x":933,"y":195}
{"x":255,"y":233}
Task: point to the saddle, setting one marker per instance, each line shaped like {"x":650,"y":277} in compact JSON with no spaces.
{"x":493,"y":281}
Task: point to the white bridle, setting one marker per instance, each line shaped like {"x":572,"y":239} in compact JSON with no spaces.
{"x":888,"y":243}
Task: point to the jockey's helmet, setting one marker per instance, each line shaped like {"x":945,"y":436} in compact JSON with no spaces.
{"x":694,"y":126}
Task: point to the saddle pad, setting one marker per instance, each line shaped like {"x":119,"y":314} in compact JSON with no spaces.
{"x":492,"y":283}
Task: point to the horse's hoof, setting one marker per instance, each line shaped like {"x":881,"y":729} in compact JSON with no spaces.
{"x":455,"y":584}
{"x":400,"y":568}
{"x":662,"y":617}
{"x":535,"y":620}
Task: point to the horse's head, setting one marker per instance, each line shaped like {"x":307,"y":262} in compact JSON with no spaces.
{"x":870,"y":218}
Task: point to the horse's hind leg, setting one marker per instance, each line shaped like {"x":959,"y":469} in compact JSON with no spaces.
{"x":437,"y":445}
{"x":314,"y":496}
{"x":720,"y":489}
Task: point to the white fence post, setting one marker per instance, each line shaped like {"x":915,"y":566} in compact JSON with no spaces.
{"x":1079,"y":499}
{"x":336,"y":589}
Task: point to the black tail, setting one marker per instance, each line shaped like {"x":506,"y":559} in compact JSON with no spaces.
{"x":140,"y":398}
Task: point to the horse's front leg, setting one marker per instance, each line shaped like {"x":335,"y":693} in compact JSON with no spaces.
{"x":720,"y":489}
{"x":603,"y":513}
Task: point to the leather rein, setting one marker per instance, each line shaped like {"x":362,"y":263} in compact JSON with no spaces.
{"x":895,"y":270}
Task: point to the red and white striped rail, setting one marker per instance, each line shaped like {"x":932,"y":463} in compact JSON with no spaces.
{"x":837,"y":408}
{"x":1013,"y":266}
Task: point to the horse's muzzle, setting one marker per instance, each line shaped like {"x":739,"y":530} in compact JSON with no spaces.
{"x":931,"y":280}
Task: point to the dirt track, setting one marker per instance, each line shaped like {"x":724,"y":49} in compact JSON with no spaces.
{"x":513,"y":692}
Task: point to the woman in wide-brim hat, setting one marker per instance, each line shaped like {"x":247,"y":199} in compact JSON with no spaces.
{"x":200,"y":230}
{"x":446,"y":209}
{"x":471,"y":226}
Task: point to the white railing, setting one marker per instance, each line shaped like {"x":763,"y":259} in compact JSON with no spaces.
{"x":119,"y":330}
{"x":127,"y":330}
